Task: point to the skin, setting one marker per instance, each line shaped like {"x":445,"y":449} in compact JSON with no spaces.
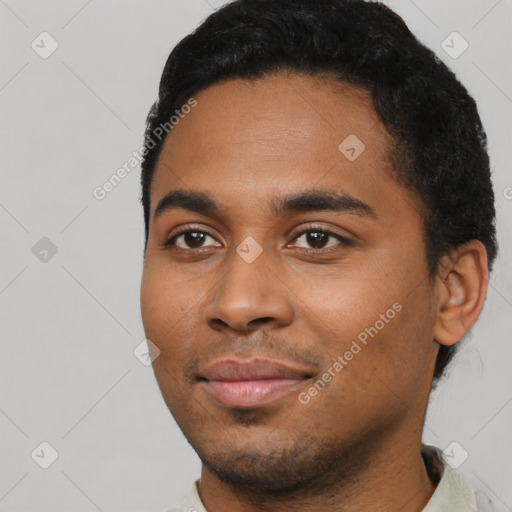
{"x":355,"y":446}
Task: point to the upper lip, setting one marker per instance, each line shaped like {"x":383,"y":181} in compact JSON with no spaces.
{"x":258,"y":368}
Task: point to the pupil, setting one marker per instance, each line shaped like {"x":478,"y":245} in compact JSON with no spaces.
{"x":315,"y":237}
{"x":193,"y":239}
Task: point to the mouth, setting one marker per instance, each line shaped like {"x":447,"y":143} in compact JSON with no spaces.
{"x":251,"y":383}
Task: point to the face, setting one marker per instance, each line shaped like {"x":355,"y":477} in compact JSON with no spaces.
{"x":286,"y":286}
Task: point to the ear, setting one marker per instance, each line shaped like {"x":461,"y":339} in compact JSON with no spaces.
{"x":461,"y":289}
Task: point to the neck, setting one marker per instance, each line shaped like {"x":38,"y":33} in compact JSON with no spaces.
{"x":394,"y":478}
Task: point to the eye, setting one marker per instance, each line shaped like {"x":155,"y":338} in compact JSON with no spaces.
{"x":319,"y":238}
{"x":189,"y":237}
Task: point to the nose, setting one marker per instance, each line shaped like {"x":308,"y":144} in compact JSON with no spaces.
{"x":249,"y":296}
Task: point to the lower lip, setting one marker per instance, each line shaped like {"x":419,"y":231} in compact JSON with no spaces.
{"x":251,"y":393}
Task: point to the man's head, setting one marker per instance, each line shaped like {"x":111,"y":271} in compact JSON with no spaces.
{"x":334,"y":184}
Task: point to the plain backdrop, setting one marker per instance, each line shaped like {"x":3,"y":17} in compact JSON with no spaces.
{"x":71,"y":264}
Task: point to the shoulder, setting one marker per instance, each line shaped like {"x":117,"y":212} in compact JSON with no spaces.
{"x":454,"y":491}
{"x":192,"y":502}
{"x":484,"y":503}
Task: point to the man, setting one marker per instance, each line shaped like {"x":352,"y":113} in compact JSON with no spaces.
{"x":319,"y":232}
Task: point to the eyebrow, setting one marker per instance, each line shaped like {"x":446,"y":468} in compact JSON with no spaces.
{"x":308,"y":201}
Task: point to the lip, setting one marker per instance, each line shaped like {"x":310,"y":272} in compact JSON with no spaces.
{"x":251,"y":383}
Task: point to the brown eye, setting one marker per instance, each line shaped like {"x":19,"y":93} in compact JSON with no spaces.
{"x":318,"y":239}
{"x":188,"y":239}
{"x":193,"y":239}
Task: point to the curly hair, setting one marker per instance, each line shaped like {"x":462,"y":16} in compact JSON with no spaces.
{"x":439,"y":144}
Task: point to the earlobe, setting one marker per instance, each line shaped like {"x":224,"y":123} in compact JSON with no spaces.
{"x":462,"y":286}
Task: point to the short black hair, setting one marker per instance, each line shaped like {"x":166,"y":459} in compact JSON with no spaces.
{"x":440,"y":146}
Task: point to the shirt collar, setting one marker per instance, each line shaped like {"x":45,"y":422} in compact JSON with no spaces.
{"x":452,"y":492}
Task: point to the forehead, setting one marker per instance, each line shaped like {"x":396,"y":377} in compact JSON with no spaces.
{"x":249,"y":138}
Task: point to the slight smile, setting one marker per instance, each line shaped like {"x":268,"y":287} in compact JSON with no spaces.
{"x":251,"y":383}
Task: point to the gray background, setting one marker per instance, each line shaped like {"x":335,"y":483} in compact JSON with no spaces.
{"x":69,"y":325}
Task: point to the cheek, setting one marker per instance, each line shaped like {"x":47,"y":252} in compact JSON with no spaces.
{"x":156,"y":302}
{"x":350,"y":300}
{"x":166,"y":321}
{"x":379,"y":319}
{"x":399,"y":353}
{"x":167,"y":307}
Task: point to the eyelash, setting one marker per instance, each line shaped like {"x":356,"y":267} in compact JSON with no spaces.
{"x":169,"y":243}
